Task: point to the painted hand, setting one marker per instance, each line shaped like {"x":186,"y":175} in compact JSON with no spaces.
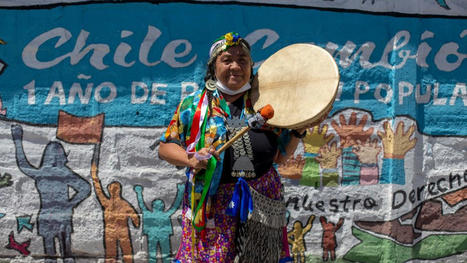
{"x":292,"y":168}
{"x":350,"y":132}
{"x":328,"y":156}
{"x":367,"y":152}
{"x":396,"y":145}
{"x":138,"y":188}
{"x":316,"y":138}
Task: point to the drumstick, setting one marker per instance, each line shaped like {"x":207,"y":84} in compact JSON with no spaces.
{"x":258,"y":120}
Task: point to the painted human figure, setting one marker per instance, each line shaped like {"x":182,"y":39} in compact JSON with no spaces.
{"x":53,"y":178}
{"x":117,"y":211}
{"x":157,"y":225}
{"x":296,"y":237}
{"x":329,"y":242}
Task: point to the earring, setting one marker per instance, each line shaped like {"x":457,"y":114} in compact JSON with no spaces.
{"x":211,"y":85}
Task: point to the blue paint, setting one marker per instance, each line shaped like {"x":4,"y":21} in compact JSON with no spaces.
{"x":393,"y":171}
{"x":198,"y":25}
{"x":52,"y":179}
{"x":157,"y":225}
{"x":24,"y":222}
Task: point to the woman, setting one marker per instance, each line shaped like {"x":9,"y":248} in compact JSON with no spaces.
{"x":203,"y":122}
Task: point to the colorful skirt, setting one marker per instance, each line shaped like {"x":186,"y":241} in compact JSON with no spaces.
{"x":217,"y":242}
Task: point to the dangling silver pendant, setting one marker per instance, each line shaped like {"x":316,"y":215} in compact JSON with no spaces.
{"x":211,"y":85}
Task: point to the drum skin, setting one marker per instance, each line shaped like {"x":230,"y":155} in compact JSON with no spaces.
{"x":300,"y":82}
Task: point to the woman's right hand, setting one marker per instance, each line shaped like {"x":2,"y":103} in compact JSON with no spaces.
{"x":176,"y":155}
{"x":197,"y":161}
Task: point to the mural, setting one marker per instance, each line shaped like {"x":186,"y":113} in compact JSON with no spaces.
{"x":84,"y":101}
{"x":156,"y":223}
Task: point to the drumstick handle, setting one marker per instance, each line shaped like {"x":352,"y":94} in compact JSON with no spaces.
{"x":233,"y":139}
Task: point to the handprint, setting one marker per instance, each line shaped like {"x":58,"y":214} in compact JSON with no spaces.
{"x":292,"y":168}
{"x":328,"y":156}
{"x":316,"y":138}
{"x":367,"y":152}
{"x":396,"y":145}
{"x":350,"y":132}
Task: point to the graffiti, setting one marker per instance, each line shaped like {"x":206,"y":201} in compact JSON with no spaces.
{"x":99,"y":51}
{"x":296,"y":237}
{"x":109,"y":89}
{"x":24,"y":222}
{"x":327,"y":158}
{"x":314,"y":140}
{"x":53,"y":178}
{"x":5,"y":179}
{"x":334,"y":205}
{"x":395,"y":145}
{"x":292,"y":168}
{"x":440,"y":186}
{"x":384,"y":172}
{"x":157,"y":225}
{"x":347,"y":55}
{"x":355,"y":158}
{"x":329,"y":242}
{"x":406,"y":233}
{"x":117,"y":211}
{"x":20,"y":247}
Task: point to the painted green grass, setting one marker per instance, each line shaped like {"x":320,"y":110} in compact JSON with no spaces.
{"x":375,"y":249}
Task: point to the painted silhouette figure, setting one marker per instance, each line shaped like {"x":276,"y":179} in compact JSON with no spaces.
{"x":296,"y":237}
{"x":329,"y":242}
{"x":117,"y":211}
{"x":157,"y":225}
{"x":53,"y":178}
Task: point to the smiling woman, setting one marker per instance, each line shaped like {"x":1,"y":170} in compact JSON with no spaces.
{"x":233,"y":208}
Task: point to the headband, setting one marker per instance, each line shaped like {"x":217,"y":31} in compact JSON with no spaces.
{"x":224,"y":42}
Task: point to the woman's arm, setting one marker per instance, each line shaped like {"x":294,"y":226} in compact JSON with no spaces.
{"x":176,"y":155}
{"x":289,"y":149}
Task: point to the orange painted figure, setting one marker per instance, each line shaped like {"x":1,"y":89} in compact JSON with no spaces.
{"x":329,"y":243}
{"x":117,"y":211}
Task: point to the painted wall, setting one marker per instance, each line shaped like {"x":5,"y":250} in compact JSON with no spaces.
{"x":87,"y":88}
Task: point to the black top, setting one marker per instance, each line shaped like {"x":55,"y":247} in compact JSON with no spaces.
{"x":264,"y":145}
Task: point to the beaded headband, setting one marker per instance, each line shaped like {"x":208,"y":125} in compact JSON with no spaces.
{"x":224,"y":42}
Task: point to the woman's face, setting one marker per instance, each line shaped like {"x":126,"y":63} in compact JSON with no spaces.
{"x":233,"y":67}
